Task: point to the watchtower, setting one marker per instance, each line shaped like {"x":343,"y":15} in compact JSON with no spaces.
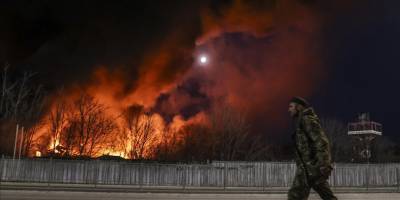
{"x":363,"y":132}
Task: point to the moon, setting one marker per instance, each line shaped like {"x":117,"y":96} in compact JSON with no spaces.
{"x":203,"y":59}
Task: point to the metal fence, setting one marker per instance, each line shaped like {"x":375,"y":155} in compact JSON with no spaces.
{"x":216,"y":174}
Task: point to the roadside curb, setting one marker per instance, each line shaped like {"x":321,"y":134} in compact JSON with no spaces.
{"x":172,"y":189}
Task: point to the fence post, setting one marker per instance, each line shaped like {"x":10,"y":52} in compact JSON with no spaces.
{"x":263,"y":176}
{"x":96,"y":172}
{"x":254,"y":176}
{"x":50,"y":171}
{"x":184,"y":177}
{"x":398,"y":179}
{"x":2,"y":168}
{"x":367,"y":176}
{"x":130,"y":170}
{"x":225,"y":174}
{"x":158,"y":174}
{"x":140,"y":175}
{"x":334,"y":175}
{"x":87,"y":166}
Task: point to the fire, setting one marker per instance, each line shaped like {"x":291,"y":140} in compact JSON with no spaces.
{"x":106,"y":129}
{"x":54,"y":144}
{"x":97,"y":125}
{"x":111,"y":152}
{"x":38,"y":154}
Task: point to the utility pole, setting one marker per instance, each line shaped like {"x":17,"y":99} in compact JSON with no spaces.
{"x":15,"y":144}
{"x":21,"y":143}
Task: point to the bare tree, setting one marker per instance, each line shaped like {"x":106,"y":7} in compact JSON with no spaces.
{"x":35,"y":109}
{"x":8,"y":89}
{"x":169,"y":147}
{"x":57,"y":120}
{"x":384,"y":150}
{"x":140,"y":129}
{"x":226,"y":137}
{"x":197,"y":144}
{"x":119,"y":142}
{"x":231,"y":131}
{"x":29,"y":142}
{"x":339,"y":140}
{"x":88,"y":127}
{"x":21,"y":102}
{"x":69,"y":137}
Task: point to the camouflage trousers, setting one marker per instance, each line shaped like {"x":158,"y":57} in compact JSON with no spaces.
{"x":300,"y":189}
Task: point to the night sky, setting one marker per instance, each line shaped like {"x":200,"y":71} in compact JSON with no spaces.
{"x":341,"y":55}
{"x":362,"y":55}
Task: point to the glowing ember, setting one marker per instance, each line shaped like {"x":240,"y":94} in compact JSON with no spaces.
{"x":38,"y":154}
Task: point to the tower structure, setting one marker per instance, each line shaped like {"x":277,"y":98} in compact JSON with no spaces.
{"x":363,"y":132}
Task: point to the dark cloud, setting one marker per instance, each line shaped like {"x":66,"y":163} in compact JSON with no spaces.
{"x":66,"y":40}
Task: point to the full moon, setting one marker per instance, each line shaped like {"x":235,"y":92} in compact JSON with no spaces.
{"x":203,"y":59}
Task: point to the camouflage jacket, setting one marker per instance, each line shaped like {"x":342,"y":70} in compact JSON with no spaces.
{"x":312,"y":145}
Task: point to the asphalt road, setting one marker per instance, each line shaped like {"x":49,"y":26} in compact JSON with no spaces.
{"x":74,"y":195}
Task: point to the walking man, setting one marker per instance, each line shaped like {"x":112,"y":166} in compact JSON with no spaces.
{"x":313,"y":157}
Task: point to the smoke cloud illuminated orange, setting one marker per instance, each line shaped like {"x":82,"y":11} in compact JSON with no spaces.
{"x":263,"y":53}
{"x":267,"y":53}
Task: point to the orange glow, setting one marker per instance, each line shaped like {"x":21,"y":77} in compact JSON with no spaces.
{"x":105,"y":88}
{"x":54,"y":143}
{"x":111,"y":152}
{"x":38,"y":154}
{"x":286,"y":65}
{"x":239,"y":17}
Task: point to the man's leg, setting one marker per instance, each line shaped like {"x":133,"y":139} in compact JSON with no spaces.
{"x":323,"y":189}
{"x":299,"y":189}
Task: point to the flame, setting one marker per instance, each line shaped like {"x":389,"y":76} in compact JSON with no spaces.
{"x":105,"y":90}
{"x":111,"y":152}
{"x":162,"y":68}
{"x":54,"y":144}
{"x":38,"y":154}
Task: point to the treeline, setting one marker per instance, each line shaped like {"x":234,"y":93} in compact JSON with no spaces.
{"x":21,"y":102}
{"x":86,"y":128}
{"x":82,"y":127}
{"x":345,"y":148}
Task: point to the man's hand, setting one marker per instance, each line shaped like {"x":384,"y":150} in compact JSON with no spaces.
{"x":326,"y":171}
{"x":316,"y":172}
